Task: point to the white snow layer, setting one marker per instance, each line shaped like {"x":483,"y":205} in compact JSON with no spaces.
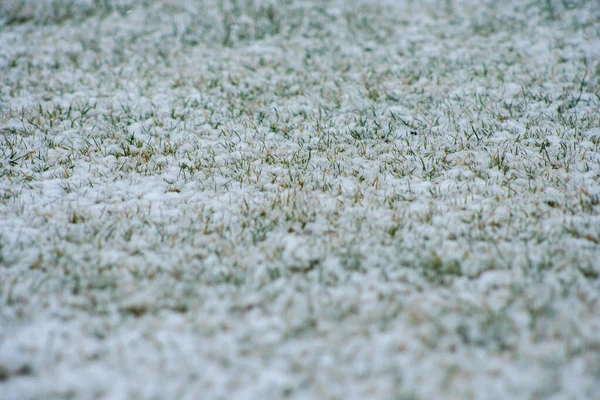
{"x":299,"y":199}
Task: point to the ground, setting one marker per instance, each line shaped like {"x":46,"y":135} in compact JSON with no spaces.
{"x":310,"y":199}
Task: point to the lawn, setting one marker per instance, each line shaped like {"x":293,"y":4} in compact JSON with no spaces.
{"x":268,"y":199}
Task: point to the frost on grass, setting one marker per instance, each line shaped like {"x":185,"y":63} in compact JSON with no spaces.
{"x":301,"y":199}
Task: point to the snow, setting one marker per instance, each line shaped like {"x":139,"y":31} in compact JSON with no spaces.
{"x":299,"y":199}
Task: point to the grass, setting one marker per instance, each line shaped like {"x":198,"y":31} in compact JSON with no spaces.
{"x":299,"y":199}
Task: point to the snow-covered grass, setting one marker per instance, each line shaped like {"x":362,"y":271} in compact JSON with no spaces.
{"x":295,"y":199}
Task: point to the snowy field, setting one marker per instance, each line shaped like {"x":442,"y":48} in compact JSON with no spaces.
{"x":312,"y":199}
